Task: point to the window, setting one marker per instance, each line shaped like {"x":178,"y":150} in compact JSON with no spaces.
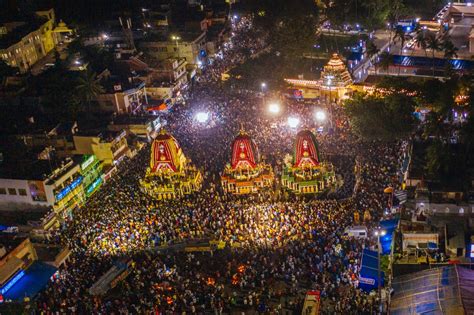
{"x":11,"y":191}
{"x":3,"y":191}
{"x":22,"y":192}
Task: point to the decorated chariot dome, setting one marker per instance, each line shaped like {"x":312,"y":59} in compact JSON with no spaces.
{"x":245,"y":173}
{"x":244,"y":152}
{"x":166,"y":154}
{"x":306,"y":152}
{"x":305,"y":172}
{"x":170,"y":175}
{"x":335,"y":74}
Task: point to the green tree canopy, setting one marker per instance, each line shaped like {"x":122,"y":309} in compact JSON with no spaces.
{"x":377,"y":117}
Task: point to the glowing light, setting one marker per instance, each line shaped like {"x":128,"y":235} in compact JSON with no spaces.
{"x":293,"y":122}
{"x":12,"y":282}
{"x":274,"y":108}
{"x":202,"y":117}
{"x":105,"y":36}
{"x":263,"y":85}
{"x":320,"y":115}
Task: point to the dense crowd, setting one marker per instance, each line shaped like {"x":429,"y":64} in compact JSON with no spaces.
{"x":277,"y":246}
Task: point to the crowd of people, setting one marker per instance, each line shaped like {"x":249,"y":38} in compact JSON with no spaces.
{"x":276,"y":246}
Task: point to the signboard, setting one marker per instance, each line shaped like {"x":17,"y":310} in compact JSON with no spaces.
{"x":120,"y":277}
{"x":471,"y":254}
{"x":68,"y":188}
{"x":87,"y":162}
{"x":311,"y":303}
{"x":37,"y":190}
{"x":94,"y":185}
{"x":368,"y":281}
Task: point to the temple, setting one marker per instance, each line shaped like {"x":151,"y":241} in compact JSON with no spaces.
{"x":335,"y":82}
{"x":245,"y":174}
{"x":304,"y":172}
{"x":170,"y":175}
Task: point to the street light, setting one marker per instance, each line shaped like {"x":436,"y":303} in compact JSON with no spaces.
{"x":176,"y":38}
{"x":202,"y":117}
{"x":320,"y":116}
{"x":274,"y":108}
{"x":293,"y":122}
{"x":263,"y":85}
{"x":379,"y":232}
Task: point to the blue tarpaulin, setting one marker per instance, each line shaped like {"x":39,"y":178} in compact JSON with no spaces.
{"x":386,"y":241}
{"x":35,"y":279}
{"x":368,"y":277}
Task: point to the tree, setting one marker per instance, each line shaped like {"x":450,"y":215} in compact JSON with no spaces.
{"x":88,"y":88}
{"x":421,"y":42}
{"x":450,"y":51}
{"x":385,"y":60}
{"x":437,"y":159}
{"x":292,"y":37}
{"x":433,"y":43}
{"x":372,"y":51}
{"x":6,"y":70}
{"x":400,"y":36}
{"x":377,"y":117}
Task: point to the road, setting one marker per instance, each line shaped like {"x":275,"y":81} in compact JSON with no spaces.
{"x":381,"y":39}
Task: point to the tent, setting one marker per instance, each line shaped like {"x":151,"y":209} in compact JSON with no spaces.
{"x":368,"y":277}
{"x":444,"y":290}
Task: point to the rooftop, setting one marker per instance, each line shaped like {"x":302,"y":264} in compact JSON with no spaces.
{"x":104,"y":134}
{"x":14,"y":36}
{"x":133,"y":120}
{"x":186,"y":36}
{"x":10,"y":241}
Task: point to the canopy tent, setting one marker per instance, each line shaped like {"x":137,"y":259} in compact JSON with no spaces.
{"x":445,"y":290}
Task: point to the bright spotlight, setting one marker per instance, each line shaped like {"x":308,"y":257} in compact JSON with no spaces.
{"x":202,"y":117}
{"x":293,"y":122}
{"x":235,"y":16}
{"x":274,"y":108}
{"x":320,"y":115}
{"x":263,"y":85}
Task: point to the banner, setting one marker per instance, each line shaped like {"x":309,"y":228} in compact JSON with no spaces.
{"x":37,"y":191}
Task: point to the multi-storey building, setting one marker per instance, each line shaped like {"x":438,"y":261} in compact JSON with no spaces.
{"x":25,"y":40}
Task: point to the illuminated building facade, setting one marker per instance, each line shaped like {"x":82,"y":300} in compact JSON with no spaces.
{"x":14,"y":263}
{"x":335,"y":82}
{"x":245,"y":174}
{"x":91,"y":171}
{"x":304,"y":172}
{"x":25,"y":41}
{"x":170,"y":175}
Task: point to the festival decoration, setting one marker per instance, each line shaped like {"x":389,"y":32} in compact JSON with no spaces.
{"x":170,"y":175}
{"x":245,"y":174}
{"x":305,"y":173}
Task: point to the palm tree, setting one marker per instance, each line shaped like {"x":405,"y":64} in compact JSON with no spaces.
{"x":450,"y":51}
{"x":88,"y":87}
{"x":400,"y":36}
{"x":371,"y":51}
{"x":420,"y":40}
{"x":433,"y":43}
{"x":385,"y":60}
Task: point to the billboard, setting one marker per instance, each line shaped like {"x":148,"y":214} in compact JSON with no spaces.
{"x":37,"y":190}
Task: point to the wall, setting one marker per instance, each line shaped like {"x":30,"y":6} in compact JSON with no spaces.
{"x":12,"y":202}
